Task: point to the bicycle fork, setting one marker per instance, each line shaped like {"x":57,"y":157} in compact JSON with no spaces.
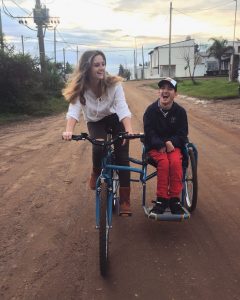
{"x":109,"y":200}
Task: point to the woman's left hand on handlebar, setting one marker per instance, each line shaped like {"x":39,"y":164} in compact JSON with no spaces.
{"x":128,"y":132}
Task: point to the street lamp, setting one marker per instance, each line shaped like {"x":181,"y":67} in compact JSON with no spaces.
{"x":234,"y":26}
{"x":53,"y":23}
{"x":233,"y":61}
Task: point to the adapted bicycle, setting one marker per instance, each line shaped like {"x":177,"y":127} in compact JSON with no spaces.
{"x":107,"y":187}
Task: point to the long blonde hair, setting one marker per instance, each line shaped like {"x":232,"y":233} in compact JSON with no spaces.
{"x":78,"y":82}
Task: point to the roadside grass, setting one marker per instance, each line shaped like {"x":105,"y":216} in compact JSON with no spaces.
{"x":11,"y":117}
{"x":52,"y":107}
{"x":207,"y":88}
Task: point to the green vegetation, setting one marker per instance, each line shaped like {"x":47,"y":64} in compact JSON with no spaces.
{"x":8,"y":117}
{"x":207,"y":88}
{"x":124,"y":73}
{"x":25,"y":91}
{"x":53,"y":106}
{"x":218,"y":49}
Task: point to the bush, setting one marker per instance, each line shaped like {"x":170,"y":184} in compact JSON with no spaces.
{"x":23,"y":89}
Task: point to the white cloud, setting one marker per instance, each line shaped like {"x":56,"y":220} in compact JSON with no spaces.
{"x":124,"y":23}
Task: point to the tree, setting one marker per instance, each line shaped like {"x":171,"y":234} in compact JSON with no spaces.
{"x":192,"y":58}
{"x":125,"y":73}
{"x":69,"y":68}
{"x":121,"y":70}
{"x":53,"y":77}
{"x":218,"y":49}
{"x":23,"y":89}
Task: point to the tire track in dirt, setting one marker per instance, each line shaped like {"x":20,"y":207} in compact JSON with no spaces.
{"x":48,"y":240}
{"x":32,"y":190}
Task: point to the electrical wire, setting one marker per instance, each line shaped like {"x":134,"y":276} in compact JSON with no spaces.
{"x":87,"y":44}
{"x":109,"y":48}
{"x":120,"y":9}
{"x":23,"y":9}
{"x":7,"y":12}
{"x":67,"y":43}
{"x":187,"y":13}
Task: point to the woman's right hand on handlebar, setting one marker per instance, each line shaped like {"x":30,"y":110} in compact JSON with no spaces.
{"x":67,"y":135}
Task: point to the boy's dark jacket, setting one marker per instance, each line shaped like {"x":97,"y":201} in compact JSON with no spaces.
{"x":158,"y":129}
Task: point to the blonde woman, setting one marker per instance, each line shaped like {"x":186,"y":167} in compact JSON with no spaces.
{"x":101,"y":98}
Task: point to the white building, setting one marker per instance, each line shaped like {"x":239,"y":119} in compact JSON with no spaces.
{"x":183,"y":59}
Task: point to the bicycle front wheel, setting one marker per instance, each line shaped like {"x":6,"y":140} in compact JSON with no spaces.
{"x":115,"y":201}
{"x":191,"y":183}
{"x":103,"y":230}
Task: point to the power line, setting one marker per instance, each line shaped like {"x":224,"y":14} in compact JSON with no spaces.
{"x":109,"y":48}
{"x":5,"y":10}
{"x":22,"y":20}
{"x":67,"y":43}
{"x":85,"y":44}
{"x":121,"y":9}
{"x":23,"y":9}
{"x":187,"y":12}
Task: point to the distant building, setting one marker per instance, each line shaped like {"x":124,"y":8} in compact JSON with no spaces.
{"x":182,"y":56}
{"x":185,"y":56}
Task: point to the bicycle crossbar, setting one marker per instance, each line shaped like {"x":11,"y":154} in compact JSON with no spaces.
{"x":136,"y":161}
{"x":124,"y":168}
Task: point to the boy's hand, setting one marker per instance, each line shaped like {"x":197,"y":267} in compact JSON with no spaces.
{"x":169,"y":146}
{"x":162,"y":150}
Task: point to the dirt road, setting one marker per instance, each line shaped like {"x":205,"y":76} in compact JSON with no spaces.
{"x":48,"y":240}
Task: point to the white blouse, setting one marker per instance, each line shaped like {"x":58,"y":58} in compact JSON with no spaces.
{"x":96,"y":109}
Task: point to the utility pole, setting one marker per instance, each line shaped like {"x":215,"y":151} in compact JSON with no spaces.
{"x":142,"y":64}
{"x":1,"y":32}
{"x":22,"y":45}
{"x":55,"y":23}
{"x":41,"y":16}
{"x":135,"y":69}
{"x":170,"y":41}
{"x":55,"y":51}
{"x":64,"y":61}
{"x":234,"y":61}
{"x":77,"y":55}
{"x":234,"y":26}
{"x":42,"y":20}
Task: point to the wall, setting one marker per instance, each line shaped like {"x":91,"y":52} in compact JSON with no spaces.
{"x":181,"y":52}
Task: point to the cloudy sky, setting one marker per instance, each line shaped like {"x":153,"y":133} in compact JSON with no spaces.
{"x":119,"y":26}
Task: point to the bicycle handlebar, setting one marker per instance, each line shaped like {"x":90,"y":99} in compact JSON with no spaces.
{"x":120,"y":136}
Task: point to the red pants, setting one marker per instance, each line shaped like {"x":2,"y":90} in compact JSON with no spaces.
{"x":169,"y":172}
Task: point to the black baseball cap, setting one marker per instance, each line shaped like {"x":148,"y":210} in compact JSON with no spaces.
{"x":168,"y":80}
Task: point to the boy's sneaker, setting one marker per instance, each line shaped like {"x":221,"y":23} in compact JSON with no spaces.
{"x":176,"y":207}
{"x":160,"y":205}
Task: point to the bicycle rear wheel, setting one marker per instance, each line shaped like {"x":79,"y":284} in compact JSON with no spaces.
{"x":103,"y":230}
{"x":191,"y":183}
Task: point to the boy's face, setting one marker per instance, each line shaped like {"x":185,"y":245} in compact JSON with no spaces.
{"x":167,"y":94}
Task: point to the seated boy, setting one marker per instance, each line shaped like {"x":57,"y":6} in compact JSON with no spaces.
{"x":166,"y":131}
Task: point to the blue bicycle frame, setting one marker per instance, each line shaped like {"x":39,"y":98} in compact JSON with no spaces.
{"x":105,"y":188}
{"x":109,"y":166}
